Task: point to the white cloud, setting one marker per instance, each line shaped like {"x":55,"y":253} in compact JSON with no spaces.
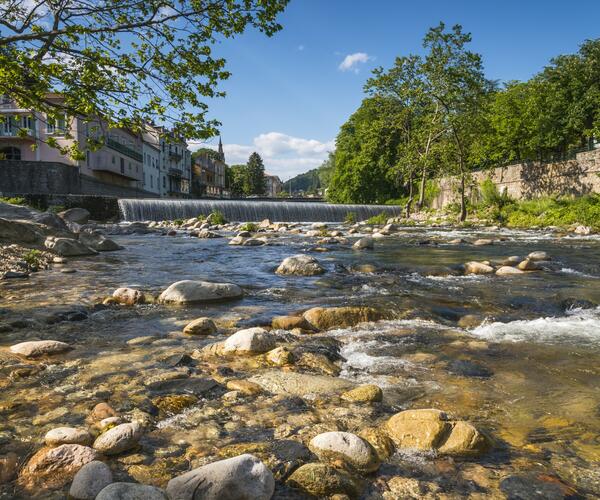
{"x":351,"y":61}
{"x":283,"y":155}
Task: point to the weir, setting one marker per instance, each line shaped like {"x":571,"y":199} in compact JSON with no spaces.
{"x":248,"y":210}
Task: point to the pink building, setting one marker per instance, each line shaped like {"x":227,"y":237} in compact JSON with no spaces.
{"x":24,"y":136}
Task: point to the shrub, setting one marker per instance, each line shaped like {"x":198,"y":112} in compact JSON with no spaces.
{"x":178,"y":222}
{"x":490,"y":196}
{"x":13,"y":201}
{"x":432,"y":191}
{"x":217,"y":218}
{"x":32,"y":257}
{"x":380,"y":219}
{"x":251,"y":227}
{"x":350,"y":218}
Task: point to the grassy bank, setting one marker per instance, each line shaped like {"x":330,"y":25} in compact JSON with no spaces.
{"x":548,"y":211}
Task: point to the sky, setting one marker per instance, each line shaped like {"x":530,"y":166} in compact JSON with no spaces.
{"x":289,"y":94}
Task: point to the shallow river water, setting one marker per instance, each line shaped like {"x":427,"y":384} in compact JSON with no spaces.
{"x":519,"y":356}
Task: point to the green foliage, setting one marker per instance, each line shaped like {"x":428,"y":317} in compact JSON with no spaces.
{"x":32,"y":257}
{"x":397,"y":201}
{"x":556,"y":211}
{"x":178,"y":222}
{"x":249,"y":226}
{"x":13,"y":201}
{"x":211,"y":153}
{"x":490,"y":196}
{"x":350,"y":218}
{"x":55,"y":209}
{"x":378,"y":220}
{"x":432,"y":191}
{"x":124,"y":62}
{"x":236,"y":179}
{"x":283,"y":194}
{"x":314,"y":180}
{"x":217,"y":218}
{"x":201,"y":218}
{"x":255,"y":183}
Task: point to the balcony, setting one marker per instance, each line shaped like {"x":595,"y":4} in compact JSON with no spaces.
{"x":125,"y":150}
{"x":175,"y":155}
{"x":18,"y":127}
{"x":175,"y":172}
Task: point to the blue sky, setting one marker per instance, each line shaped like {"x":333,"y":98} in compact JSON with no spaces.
{"x":289,"y":94}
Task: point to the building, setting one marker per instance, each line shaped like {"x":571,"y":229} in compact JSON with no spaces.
{"x":175,"y":165}
{"x":208,"y":174}
{"x":151,"y":154}
{"x":25,"y":134}
{"x":274,"y":186}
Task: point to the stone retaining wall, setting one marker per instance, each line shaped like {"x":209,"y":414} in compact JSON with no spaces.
{"x":531,"y":179}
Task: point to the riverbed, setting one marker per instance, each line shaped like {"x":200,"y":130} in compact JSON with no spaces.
{"x":518,"y":356}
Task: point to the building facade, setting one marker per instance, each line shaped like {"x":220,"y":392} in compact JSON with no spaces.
{"x":154,"y":161}
{"x":273,"y":184}
{"x":208,"y":174}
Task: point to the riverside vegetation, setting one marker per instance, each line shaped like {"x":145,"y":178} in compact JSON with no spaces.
{"x":373,"y":360}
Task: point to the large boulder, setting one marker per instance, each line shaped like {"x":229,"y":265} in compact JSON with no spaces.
{"x":250,"y":341}
{"x":324,"y":318}
{"x":346,"y":447}
{"x":77,"y":215}
{"x":52,"y":468}
{"x":67,"y":247}
{"x":300,"y":265}
{"x":119,"y":439}
{"x":290,"y":322}
{"x":368,"y":393}
{"x":67,"y":435}
{"x":243,"y":477}
{"x":97,"y":241}
{"x":21,"y":232}
{"x":189,"y":291}
{"x":131,"y":491}
{"x":36,"y":348}
{"x":324,"y":481}
{"x":508,"y":271}
{"x":430,"y":429}
{"x":52,"y":220}
{"x":300,"y":384}
{"x":90,"y":480}
{"x":366,"y":243}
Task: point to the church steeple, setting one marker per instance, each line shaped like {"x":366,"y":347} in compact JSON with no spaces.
{"x":221,"y":152}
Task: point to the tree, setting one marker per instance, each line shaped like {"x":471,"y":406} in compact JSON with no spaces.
{"x":211,"y":153}
{"x":366,"y":152}
{"x":123,"y":62}
{"x":455,"y":79}
{"x":255,"y":180}
{"x":235,"y":179}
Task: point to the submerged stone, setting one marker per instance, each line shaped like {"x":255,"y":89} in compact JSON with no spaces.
{"x":189,"y":291}
{"x":323,"y":481}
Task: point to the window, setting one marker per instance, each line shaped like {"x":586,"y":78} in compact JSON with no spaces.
{"x":87,"y":158}
{"x":10,"y":153}
{"x":113,"y":159}
{"x":56,"y":126}
{"x":151,"y":182}
{"x":164,"y":183}
{"x":129,"y":165}
{"x":122,"y":165}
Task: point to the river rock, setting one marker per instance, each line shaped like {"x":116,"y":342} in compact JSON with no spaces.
{"x":128,"y":296}
{"x":368,"y":393}
{"x":243,"y":477}
{"x":483,"y":242}
{"x":205,"y":233}
{"x":132,"y":491}
{"x":280,"y":356}
{"x":250,"y":341}
{"x":9,"y":465}
{"x":539,"y":255}
{"x":200,"y":326}
{"x":35,"y":348}
{"x":346,"y":447}
{"x":474,"y":267}
{"x":237,"y":240}
{"x":90,"y":480}
{"x":430,"y":429}
{"x":97,"y":241}
{"x":254,"y":242}
{"x":52,"y":468}
{"x":583,"y":230}
{"x":324,"y":318}
{"x":364,"y":243}
{"x":189,"y":291}
{"x":67,"y":247}
{"x":380,"y":441}
{"x":290,"y":322}
{"x":300,"y":265}
{"x":67,"y":435}
{"x":528,"y":265}
{"x":300,"y":384}
{"x":77,"y":215}
{"x":119,"y":439}
{"x":507,"y":271}
{"x":52,"y":220}
{"x":324,"y":481}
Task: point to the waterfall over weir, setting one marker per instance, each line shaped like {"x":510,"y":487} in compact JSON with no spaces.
{"x":247,"y":210}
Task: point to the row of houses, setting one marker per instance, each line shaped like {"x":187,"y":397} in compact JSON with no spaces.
{"x":154,"y":163}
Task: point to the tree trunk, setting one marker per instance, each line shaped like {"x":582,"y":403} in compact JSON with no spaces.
{"x":410,"y":196}
{"x":421,"y":201}
{"x":463,"y":201}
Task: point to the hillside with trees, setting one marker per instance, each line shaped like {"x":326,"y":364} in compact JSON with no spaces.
{"x":314,"y":180}
{"x":437,"y":114}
